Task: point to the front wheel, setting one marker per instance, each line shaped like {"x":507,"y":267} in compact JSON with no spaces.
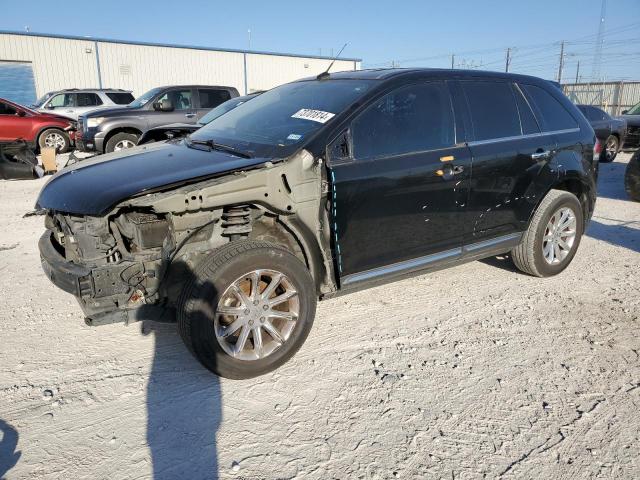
{"x":247,"y":309}
{"x":121,"y":141}
{"x":553,"y":236}
{"x":54,"y":138}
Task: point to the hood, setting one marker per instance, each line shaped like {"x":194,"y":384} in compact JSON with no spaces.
{"x":92,"y":187}
{"x":632,"y":120}
{"x":53,"y":116}
{"x":113,"y":112}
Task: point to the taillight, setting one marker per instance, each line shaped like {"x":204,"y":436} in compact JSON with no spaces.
{"x":597,"y":149}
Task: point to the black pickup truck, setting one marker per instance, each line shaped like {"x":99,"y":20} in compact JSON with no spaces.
{"x":115,"y":129}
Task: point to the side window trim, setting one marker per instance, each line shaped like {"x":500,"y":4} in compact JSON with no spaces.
{"x":383,"y":94}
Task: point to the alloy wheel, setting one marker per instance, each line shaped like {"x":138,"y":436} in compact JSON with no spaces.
{"x":559,"y":236}
{"x":611,"y":148}
{"x":123,"y":145}
{"x":54,"y":140}
{"x":256,"y":314}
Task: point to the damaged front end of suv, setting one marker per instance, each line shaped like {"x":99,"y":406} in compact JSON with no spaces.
{"x":131,"y":262}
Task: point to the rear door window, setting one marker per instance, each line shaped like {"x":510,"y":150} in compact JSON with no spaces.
{"x":6,"y":109}
{"x":211,"y":98}
{"x":88,"y":100}
{"x":494,"y":113}
{"x":551,"y":113}
{"x":120,"y":98}
{"x":411,"y":119}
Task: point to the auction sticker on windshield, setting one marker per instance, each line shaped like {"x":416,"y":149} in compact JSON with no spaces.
{"x":313,"y":115}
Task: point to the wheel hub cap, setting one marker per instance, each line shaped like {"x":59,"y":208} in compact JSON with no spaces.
{"x":54,"y":140}
{"x":123,"y":145}
{"x":559,"y":236}
{"x":256,"y":314}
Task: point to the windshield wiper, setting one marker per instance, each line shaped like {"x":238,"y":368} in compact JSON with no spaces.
{"x":219,"y":146}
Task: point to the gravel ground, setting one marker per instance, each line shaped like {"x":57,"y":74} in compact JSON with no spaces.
{"x":476,"y":371}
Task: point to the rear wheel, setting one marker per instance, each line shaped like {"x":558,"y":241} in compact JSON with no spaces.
{"x":54,"y":138}
{"x":553,"y":236}
{"x":121,"y":141}
{"x":247,"y":309}
{"x":610,"y":150}
{"x":632,"y":177}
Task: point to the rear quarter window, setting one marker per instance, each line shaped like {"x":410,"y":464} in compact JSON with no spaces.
{"x":120,"y":98}
{"x":493,"y":109}
{"x":550,"y":112}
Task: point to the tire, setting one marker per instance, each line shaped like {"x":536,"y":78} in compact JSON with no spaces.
{"x":528,"y":256}
{"x":610,"y":149}
{"x":54,"y":137}
{"x":121,"y":141}
{"x":632,"y":177}
{"x":199,"y":317}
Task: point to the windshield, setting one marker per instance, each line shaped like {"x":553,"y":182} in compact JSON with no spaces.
{"x":635,"y":110}
{"x":273,"y":123}
{"x":223,"y":108}
{"x":145,"y":97}
{"x":42,"y":99}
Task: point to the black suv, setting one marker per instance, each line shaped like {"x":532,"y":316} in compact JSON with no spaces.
{"x":120,"y":128}
{"x":317,"y":188}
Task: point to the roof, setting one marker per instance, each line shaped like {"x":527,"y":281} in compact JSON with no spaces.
{"x":387,"y":73}
{"x":169,"y":45}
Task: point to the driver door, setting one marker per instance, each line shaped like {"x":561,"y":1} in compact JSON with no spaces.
{"x":400,"y":191}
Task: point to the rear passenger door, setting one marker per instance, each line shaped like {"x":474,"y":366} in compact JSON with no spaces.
{"x":400,"y":192}
{"x":210,"y":98}
{"x":508,"y":150}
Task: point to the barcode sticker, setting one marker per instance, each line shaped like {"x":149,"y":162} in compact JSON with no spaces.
{"x":313,"y":115}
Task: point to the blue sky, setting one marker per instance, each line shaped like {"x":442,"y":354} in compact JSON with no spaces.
{"x":409,"y":33}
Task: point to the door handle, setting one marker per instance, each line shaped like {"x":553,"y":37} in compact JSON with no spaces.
{"x":189,"y":115}
{"x":537,"y":156}
{"x":448,"y":171}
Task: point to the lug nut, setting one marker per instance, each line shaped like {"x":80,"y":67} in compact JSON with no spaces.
{"x":261,"y":319}
{"x":265,"y":307}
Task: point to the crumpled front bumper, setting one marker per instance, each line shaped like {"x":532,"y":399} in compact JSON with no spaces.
{"x":65,"y":275}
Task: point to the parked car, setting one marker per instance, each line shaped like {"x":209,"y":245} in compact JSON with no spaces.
{"x":632,"y":117}
{"x":177,"y":130}
{"x":610,"y":131}
{"x":120,"y":128}
{"x":317,"y":188}
{"x":74,"y":102}
{"x":36,"y":128}
{"x":632,"y":177}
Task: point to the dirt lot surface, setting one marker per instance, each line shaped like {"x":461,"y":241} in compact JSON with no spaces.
{"x":469,"y":372}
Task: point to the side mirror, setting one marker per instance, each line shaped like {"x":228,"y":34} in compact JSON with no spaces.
{"x":22,"y":113}
{"x":49,"y":107}
{"x":165,"y":105}
{"x":624,"y":112}
{"x":340,"y":149}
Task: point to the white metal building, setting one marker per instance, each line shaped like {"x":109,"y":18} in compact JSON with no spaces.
{"x":32,"y":64}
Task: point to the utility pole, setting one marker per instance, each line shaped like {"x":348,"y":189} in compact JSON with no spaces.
{"x":506,"y":67}
{"x":453,"y":61}
{"x":597,"y":55}
{"x":578,"y":72}
{"x":249,"y":33}
{"x":561,"y":62}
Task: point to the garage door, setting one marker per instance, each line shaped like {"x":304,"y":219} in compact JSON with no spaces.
{"x":16,"y":82}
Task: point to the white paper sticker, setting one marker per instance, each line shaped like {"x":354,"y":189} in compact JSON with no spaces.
{"x":313,"y":115}
{"x":294,"y":136}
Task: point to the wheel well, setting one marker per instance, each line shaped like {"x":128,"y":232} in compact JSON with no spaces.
{"x":575,"y":186}
{"x":115,"y":131}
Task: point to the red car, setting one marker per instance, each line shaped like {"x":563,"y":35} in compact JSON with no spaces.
{"x":36,"y":128}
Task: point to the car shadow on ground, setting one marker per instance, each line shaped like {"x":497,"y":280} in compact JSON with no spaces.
{"x":611,"y":181}
{"x":8,"y":443}
{"x":184,"y":409}
{"x":622,"y":234}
